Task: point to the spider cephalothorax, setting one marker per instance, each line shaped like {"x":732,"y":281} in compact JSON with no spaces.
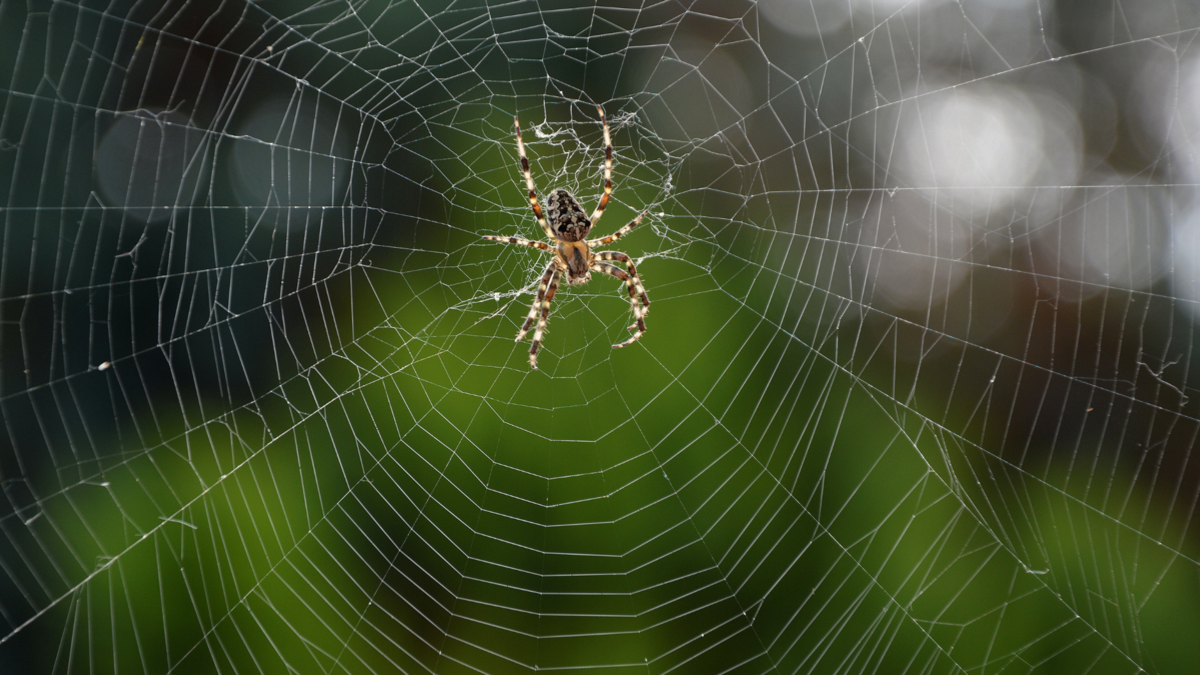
{"x":568,"y":226}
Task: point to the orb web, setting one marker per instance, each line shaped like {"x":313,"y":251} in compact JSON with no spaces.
{"x":915,"y":393}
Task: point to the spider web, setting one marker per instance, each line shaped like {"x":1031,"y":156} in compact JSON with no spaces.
{"x":915,"y":395}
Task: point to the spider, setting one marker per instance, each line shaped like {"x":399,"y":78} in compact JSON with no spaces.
{"x":567,"y":226}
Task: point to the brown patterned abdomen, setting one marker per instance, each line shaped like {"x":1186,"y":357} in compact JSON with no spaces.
{"x":566,"y":219}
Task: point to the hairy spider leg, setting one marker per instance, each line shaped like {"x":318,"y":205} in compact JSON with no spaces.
{"x":604,"y":241}
{"x":635,"y":280}
{"x":638,"y":301}
{"x":521,"y":241}
{"x":551,"y":269}
{"x":607,"y":170}
{"x":541,"y":327}
{"x":533,"y":200}
{"x":612,"y":270}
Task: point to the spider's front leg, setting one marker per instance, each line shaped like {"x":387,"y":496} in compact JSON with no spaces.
{"x":639,"y":302}
{"x":541,"y":305}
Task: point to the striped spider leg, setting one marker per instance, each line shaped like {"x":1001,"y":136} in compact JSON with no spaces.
{"x":638,"y":300}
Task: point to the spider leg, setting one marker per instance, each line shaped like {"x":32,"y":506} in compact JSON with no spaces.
{"x":607,"y":170}
{"x":537,"y":303}
{"x":533,"y":200}
{"x":638,"y":301}
{"x":604,"y":241}
{"x":634,"y":280}
{"x":541,"y":327}
{"x":522,"y":241}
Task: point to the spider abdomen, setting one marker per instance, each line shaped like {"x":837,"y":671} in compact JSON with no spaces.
{"x":565,"y":218}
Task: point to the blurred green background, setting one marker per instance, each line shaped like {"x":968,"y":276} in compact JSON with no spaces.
{"x":915,"y":395}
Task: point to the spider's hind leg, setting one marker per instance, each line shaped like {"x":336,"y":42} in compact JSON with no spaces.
{"x":607,"y":170}
{"x":533,"y":201}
